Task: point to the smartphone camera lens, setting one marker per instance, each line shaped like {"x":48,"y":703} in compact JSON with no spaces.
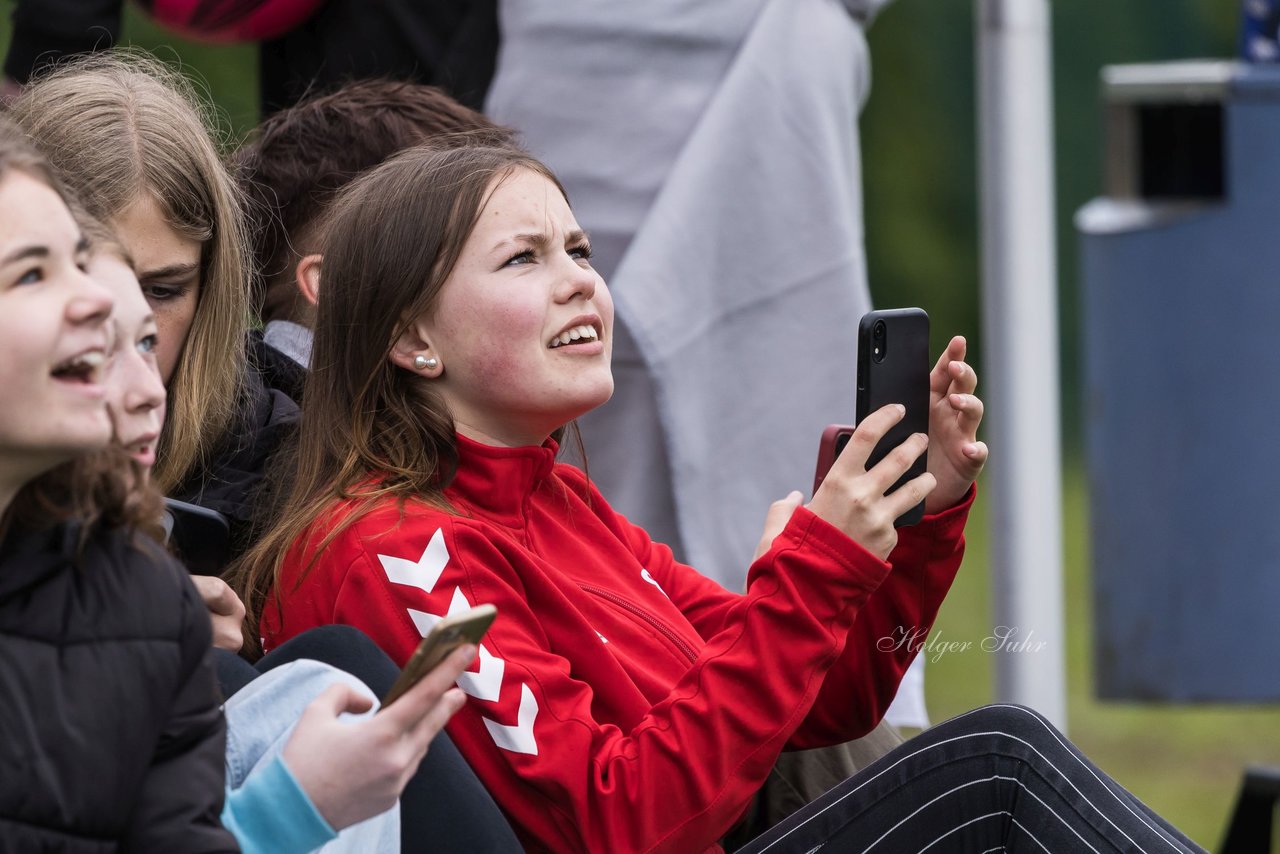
{"x":879,"y":341}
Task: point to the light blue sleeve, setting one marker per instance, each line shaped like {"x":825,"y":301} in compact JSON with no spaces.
{"x":270,"y":814}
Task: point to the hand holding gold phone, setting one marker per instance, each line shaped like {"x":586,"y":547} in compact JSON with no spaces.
{"x":445,"y":636}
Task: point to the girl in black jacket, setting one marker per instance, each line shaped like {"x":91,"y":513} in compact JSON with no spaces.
{"x":130,"y":138}
{"x":111,"y":736}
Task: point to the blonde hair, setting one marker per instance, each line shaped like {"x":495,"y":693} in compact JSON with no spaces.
{"x":102,"y":237}
{"x":119,"y":124}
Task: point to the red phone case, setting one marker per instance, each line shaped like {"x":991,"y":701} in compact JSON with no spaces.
{"x":834,"y":438}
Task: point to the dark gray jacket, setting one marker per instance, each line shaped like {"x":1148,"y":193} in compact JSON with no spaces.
{"x":231,"y":482}
{"x":111,"y":731}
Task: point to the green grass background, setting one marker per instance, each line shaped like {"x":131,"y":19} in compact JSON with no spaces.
{"x":922,"y":241}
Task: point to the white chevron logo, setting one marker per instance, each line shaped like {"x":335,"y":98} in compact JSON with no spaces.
{"x":644,"y":573}
{"x":485,"y":684}
{"x":518,"y":738}
{"x":424,"y":573}
{"x":423,"y":621}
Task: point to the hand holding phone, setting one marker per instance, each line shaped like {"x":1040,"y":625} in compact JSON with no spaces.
{"x":353,"y":770}
{"x":455,"y":630}
{"x":893,"y":368}
{"x":852,"y":496}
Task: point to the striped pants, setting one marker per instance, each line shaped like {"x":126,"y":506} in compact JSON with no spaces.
{"x":999,"y":778}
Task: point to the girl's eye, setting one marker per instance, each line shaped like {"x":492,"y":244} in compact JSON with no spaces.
{"x":148,"y":343}
{"x":519,"y":258}
{"x":581,"y":253}
{"x":35,"y":274}
{"x":162,"y":293}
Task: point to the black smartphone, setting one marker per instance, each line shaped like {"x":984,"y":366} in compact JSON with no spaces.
{"x":200,"y":537}
{"x":893,"y":367}
{"x":445,"y":636}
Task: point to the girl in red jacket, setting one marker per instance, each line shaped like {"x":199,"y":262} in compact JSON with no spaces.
{"x":621,"y":702}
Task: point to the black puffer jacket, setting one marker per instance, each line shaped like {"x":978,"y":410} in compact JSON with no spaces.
{"x":111,"y":733}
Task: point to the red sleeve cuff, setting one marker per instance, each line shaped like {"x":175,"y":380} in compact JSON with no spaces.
{"x":864,"y":570}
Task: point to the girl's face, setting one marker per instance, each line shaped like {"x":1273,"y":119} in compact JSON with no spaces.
{"x":54,"y":333}
{"x":523,"y":327}
{"x":169,"y":270}
{"x":135,"y":394}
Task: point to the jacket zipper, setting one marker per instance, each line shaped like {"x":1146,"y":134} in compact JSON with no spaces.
{"x":664,"y":630}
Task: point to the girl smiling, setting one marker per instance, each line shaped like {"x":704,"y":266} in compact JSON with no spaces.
{"x":110,"y":731}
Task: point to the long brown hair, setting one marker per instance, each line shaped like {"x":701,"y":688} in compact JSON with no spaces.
{"x":116,"y":125}
{"x":102,"y":489}
{"x":391,"y":241}
{"x":19,"y":153}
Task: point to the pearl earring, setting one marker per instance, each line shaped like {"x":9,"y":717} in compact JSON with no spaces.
{"x":422,"y":363}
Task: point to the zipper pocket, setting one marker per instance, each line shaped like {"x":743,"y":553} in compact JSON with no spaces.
{"x":662,"y":628}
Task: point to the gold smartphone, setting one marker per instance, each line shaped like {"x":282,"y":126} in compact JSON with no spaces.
{"x":445,"y":636}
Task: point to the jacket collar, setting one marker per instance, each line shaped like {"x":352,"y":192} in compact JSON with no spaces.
{"x":29,"y":556}
{"x":498,"y":481}
{"x":229,"y":482}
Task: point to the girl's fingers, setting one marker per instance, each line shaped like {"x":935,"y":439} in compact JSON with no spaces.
{"x":418,"y":702}
{"x":429,"y":726}
{"x":886,"y":472}
{"x":940,"y":376}
{"x":910,"y":494}
{"x":337,"y":699}
{"x":964,"y":380}
{"x":853,"y":459}
{"x":218,"y":596}
{"x":970,"y":410}
{"x":780,"y":513}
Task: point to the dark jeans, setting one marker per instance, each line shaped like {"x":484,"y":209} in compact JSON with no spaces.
{"x":999,"y":778}
{"x":444,"y":807}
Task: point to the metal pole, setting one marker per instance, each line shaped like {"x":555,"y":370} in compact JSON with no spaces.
{"x":1020,"y":352}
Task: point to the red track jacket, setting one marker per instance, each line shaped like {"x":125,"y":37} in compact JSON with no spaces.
{"x":622,"y":701}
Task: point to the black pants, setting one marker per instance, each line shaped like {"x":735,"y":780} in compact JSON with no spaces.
{"x":1000,"y":778}
{"x":444,"y":807}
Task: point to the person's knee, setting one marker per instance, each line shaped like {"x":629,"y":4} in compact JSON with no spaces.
{"x":338,"y":631}
{"x":1015,"y":721}
{"x":336,"y":637}
{"x":344,"y":647}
